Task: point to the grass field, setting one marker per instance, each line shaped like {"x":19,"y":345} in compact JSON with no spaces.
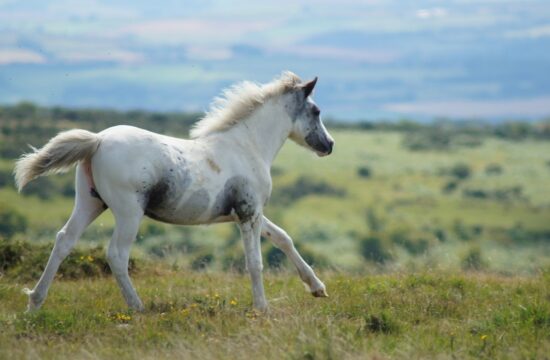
{"x":206,"y":316}
{"x":439,"y":253}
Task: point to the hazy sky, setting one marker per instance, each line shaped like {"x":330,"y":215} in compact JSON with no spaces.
{"x":375,"y":59}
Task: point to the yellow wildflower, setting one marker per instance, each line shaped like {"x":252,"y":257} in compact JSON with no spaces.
{"x":233,"y":302}
{"x":483,"y":337}
{"x":122,"y":317}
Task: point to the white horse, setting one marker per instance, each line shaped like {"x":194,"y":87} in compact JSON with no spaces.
{"x":222,"y":174}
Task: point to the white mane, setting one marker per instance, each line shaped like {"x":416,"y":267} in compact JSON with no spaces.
{"x":239,"y":101}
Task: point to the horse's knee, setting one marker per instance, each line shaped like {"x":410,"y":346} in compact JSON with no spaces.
{"x":254,"y":265}
{"x":283,"y":241}
{"x":116,"y":261}
{"x":112,"y":258}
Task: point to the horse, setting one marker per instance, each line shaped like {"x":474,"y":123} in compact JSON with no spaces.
{"x":220,"y":174}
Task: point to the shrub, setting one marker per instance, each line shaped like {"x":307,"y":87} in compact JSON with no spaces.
{"x":520,"y":235}
{"x":513,"y":130}
{"x":493,"y":169}
{"x":274,"y":257}
{"x":311,"y":257}
{"x":372,"y":249}
{"x":26,"y":261}
{"x":11,"y":253}
{"x":382,"y":323}
{"x":465,"y":140}
{"x":11,"y":222}
{"x":234,"y":262}
{"x":305,"y":186}
{"x":432,"y":138}
{"x":364,"y":172}
{"x":476,"y":193}
{"x":461,"y":171}
{"x":67,"y":190}
{"x":202,"y":261}
{"x":513,"y":193}
{"x":450,"y":187}
{"x":440,"y":234}
{"x":413,"y":242}
{"x":42,"y":187}
{"x":464,"y":232}
{"x":6,"y":178}
{"x":473,"y":259}
{"x":152,"y":229}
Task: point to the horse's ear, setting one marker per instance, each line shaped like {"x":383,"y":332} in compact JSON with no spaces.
{"x":307,"y":88}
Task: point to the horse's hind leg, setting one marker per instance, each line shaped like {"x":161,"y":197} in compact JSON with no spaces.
{"x":86,"y":209}
{"x":127,"y":217}
{"x":281,"y":239}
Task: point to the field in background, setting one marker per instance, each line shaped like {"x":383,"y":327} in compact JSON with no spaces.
{"x":391,"y":197}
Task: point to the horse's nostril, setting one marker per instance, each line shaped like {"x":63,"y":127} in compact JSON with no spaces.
{"x":330,"y":145}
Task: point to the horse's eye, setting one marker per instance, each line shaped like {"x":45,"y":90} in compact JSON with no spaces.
{"x":316,"y":111}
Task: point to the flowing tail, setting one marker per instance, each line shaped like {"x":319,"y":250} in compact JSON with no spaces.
{"x":58,"y":155}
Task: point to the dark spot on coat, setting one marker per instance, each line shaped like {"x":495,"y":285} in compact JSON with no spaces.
{"x":160,"y":200}
{"x":237,"y":195}
{"x":156,"y":196}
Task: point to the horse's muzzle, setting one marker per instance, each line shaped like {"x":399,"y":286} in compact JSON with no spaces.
{"x":327,"y":149}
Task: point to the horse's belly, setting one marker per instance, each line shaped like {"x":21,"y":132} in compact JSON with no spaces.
{"x":184,"y":219}
{"x":189,"y":210}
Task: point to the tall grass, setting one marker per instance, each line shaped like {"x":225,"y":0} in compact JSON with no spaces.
{"x":204,"y":316}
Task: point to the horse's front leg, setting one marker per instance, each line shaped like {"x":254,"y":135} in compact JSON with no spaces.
{"x":250,"y":232}
{"x":281,"y":239}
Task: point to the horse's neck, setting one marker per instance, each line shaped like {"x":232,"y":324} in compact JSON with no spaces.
{"x":264,"y":132}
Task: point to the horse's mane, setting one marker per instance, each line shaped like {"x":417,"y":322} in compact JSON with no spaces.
{"x":239,"y":101}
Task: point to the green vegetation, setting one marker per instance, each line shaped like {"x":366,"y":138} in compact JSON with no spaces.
{"x":374,"y":202}
{"x":394,"y":204}
{"x":204,"y":316}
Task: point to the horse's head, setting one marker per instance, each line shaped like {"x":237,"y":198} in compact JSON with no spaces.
{"x":307,"y":128}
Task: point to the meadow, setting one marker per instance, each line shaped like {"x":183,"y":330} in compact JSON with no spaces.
{"x":433,"y":240}
{"x":207,"y":316}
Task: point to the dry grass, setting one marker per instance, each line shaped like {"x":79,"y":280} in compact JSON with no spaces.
{"x":207,"y":315}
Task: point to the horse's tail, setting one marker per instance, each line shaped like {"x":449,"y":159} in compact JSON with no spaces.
{"x":58,"y":155}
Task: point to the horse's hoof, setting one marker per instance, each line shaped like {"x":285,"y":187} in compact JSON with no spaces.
{"x":319,"y":293}
{"x":33,"y":303}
